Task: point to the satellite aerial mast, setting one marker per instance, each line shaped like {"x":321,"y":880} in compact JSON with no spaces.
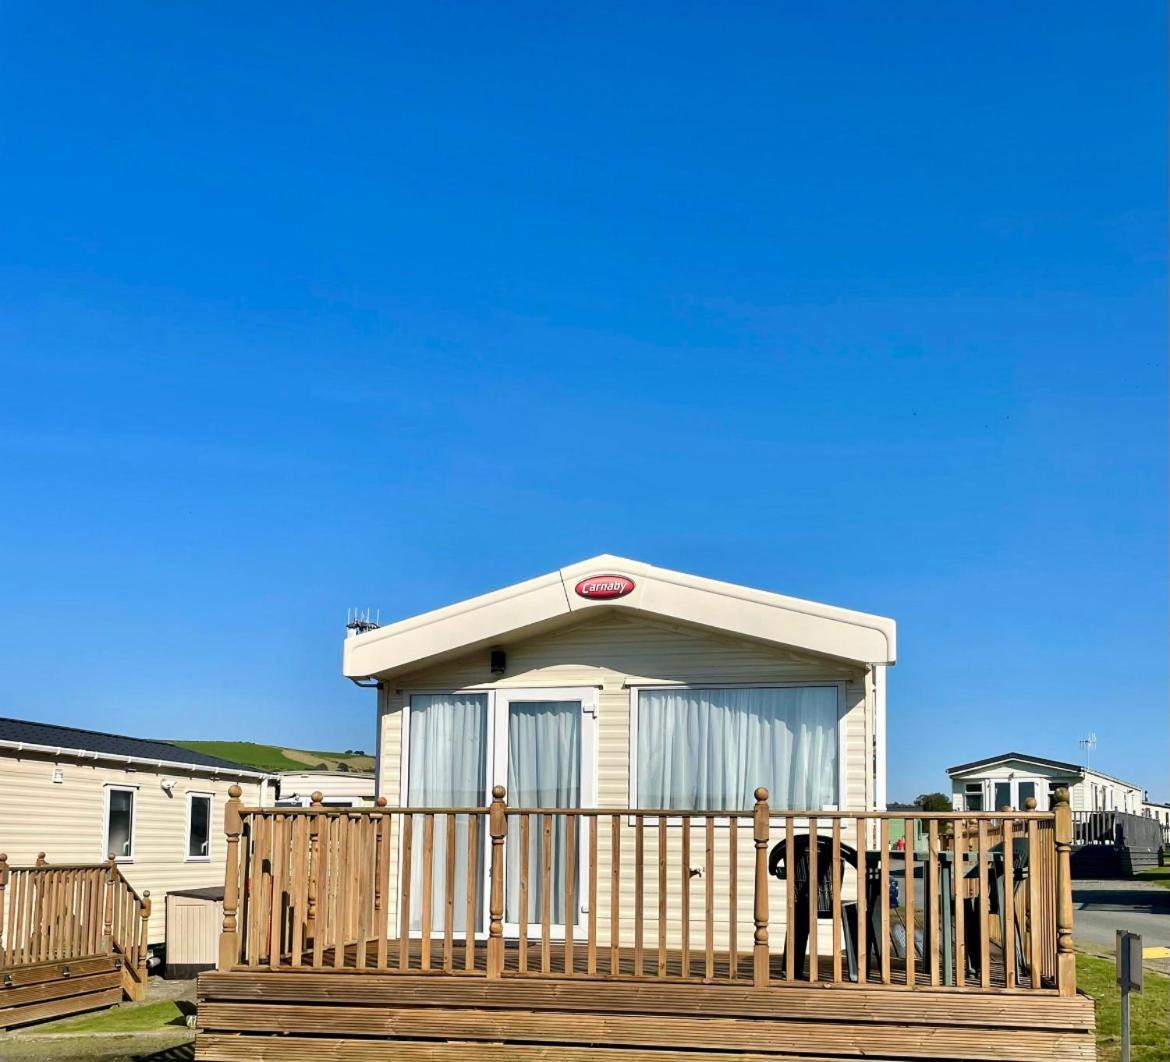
{"x":1088,"y":743}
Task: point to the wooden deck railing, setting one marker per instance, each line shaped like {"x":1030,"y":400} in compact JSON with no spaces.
{"x":704,"y":896}
{"x":58,"y":913}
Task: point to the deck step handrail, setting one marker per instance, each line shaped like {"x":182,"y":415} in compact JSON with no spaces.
{"x":655,"y":893}
{"x":58,"y":913}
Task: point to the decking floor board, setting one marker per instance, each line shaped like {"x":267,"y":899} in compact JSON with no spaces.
{"x":673,"y":969}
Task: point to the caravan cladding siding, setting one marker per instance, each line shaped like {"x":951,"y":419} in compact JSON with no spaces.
{"x":66,"y":820}
{"x":612,"y":653}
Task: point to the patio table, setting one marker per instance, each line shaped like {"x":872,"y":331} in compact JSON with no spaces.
{"x":946,"y":906}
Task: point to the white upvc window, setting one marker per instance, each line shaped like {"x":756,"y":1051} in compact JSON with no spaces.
{"x":119,"y":822}
{"x":198,"y":834}
{"x":707,"y":748}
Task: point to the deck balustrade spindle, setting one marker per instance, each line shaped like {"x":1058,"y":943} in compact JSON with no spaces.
{"x":3,"y":887}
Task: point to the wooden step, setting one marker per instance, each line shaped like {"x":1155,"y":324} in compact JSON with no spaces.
{"x":214,"y":1048}
{"x":46,"y":990}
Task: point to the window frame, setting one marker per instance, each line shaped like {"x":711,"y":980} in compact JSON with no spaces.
{"x":744,"y":821}
{"x":107,"y":789}
{"x":192,"y":796}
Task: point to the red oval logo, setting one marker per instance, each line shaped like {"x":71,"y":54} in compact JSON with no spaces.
{"x":604,"y":586}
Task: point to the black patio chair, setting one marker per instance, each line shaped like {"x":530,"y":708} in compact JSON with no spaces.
{"x":797,"y":934}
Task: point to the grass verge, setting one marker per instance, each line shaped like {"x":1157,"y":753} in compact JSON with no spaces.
{"x":137,"y":1018}
{"x":1149,"y":1012}
{"x":1157,"y":876}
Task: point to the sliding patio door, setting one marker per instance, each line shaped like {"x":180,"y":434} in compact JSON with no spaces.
{"x":447,"y":768}
{"x":538,"y":744}
{"x":544,"y":757}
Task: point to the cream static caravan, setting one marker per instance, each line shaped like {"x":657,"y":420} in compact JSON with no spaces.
{"x":80,"y":795}
{"x":1011,"y":778}
{"x":338,"y":789}
{"x":605,"y":796}
{"x":612,"y":683}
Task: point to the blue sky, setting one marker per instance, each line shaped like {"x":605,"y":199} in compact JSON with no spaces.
{"x":305,"y":307}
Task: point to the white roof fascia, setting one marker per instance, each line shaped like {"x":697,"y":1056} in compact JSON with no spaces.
{"x":658,"y":592}
{"x":1075,"y":772}
{"x":147,"y":761}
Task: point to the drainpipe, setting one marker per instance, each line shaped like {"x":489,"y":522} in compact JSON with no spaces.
{"x":879,"y":737}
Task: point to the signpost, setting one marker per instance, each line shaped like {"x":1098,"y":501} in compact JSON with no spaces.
{"x":1129,"y":978}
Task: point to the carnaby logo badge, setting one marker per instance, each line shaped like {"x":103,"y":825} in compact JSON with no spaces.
{"x":604,"y":586}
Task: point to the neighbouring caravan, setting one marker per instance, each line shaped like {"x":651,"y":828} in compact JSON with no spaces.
{"x":1010,"y":778}
{"x":338,"y":789}
{"x":1158,"y":810}
{"x":80,"y":795}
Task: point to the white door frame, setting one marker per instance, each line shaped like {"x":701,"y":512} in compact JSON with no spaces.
{"x":497,"y":772}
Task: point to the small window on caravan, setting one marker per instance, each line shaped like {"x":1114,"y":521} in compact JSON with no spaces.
{"x":119,"y":822}
{"x":1003,"y":795}
{"x":973,"y":796}
{"x":1027,"y":790}
{"x":198,"y":826}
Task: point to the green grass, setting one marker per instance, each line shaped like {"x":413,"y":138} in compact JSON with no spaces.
{"x":1149,"y":1012}
{"x":123,"y":1018}
{"x":277,"y":757}
{"x":1158,"y":875}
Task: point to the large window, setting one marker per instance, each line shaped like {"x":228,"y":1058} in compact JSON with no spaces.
{"x":198,"y":826}
{"x":119,"y":822}
{"x":709,"y":749}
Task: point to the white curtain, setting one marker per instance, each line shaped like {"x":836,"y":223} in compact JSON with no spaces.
{"x":544,"y":771}
{"x":448,"y":768}
{"x":709,"y":749}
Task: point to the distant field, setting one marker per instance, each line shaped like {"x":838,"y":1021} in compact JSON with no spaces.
{"x":276,"y":758}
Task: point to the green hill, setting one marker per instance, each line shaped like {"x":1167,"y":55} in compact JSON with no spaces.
{"x":276,"y":758}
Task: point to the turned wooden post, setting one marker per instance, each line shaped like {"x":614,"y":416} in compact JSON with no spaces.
{"x":315,"y":802}
{"x":497,"y":827}
{"x":108,"y":914}
{"x":761,"y":822}
{"x":3,"y":886}
{"x":41,"y":860}
{"x":229,"y":944}
{"x":1066,"y":963}
{"x":1030,"y":804}
{"x":379,"y":824}
{"x":144,"y":936}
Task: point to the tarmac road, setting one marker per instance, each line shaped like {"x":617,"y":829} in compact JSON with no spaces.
{"x":1100,"y":908}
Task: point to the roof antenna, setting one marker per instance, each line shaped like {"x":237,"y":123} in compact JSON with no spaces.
{"x":359,"y":621}
{"x":1088,"y":743}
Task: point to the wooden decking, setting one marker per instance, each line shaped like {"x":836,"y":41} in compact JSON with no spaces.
{"x":347,"y":1016}
{"x":342,"y":937}
{"x":72,"y":938}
